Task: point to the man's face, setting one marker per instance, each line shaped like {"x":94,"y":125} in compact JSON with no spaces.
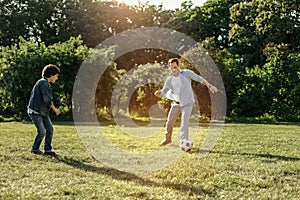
{"x":174,"y":68}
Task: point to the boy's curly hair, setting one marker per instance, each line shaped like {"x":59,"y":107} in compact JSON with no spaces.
{"x":50,"y":70}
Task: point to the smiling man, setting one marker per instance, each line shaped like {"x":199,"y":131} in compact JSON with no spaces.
{"x":178,"y":88}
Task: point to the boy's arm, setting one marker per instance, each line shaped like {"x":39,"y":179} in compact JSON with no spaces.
{"x":45,"y":91}
{"x":47,"y":97}
{"x":57,"y":112}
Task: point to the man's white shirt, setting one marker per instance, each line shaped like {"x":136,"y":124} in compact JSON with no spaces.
{"x":185,"y":94}
{"x":176,"y":85}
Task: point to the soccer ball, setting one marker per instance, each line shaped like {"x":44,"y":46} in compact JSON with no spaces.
{"x":186,"y":145}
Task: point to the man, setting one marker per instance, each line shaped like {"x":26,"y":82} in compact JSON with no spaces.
{"x":39,"y":107}
{"x":178,"y":88}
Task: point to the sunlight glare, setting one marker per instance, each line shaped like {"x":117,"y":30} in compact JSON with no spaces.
{"x":169,"y":4}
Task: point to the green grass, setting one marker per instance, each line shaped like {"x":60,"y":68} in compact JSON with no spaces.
{"x":250,"y":161}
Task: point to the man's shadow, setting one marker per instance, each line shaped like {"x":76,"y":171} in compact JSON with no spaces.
{"x":260,"y":155}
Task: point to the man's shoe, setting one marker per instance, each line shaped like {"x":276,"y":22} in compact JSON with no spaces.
{"x":38,"y":152}
{"x":165,"y":142}
{"x":50,"y":153}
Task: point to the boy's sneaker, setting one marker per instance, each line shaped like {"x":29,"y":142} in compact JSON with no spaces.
{"x":50,"y":153}
{"x":39,"y":152}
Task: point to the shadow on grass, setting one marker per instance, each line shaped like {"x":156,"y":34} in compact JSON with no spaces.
{"x":261,"y":155}
{"x":120,"y":175}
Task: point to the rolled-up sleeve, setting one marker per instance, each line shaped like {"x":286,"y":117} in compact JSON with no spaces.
{"x":166,"y":87}
{"x":192,"y":75}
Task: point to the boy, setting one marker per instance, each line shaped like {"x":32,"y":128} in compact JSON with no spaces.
{"x":178,"y":88}
{"x":39,"y":107}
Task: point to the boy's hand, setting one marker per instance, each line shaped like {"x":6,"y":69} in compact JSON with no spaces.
{"x":57,"y":112}
{"x":158,"y":93}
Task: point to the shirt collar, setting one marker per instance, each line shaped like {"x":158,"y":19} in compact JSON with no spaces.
{"x":180,"y":72}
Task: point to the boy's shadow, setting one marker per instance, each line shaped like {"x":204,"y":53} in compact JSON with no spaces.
{"x":120,"y":175}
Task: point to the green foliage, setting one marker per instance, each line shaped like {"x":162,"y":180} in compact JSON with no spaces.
{"x":137,"y":90}
{"x":186,"y":20}
{"x":21,"y":67}
{"x":229,"y":67}
{"x":215,"y":21}
{"x":283,"y":81}
{"x":52,"y":21}
{"x":252,"y":94}
{"x":272,"y":89}
{"x":257,"y":23}
{"x":238,"y":35}
{"x":47,"y":21}
{"x":105,"y":89}
{"x":264,"y":36}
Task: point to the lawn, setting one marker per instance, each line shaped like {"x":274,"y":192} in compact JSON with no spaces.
{"x":249,"y":161}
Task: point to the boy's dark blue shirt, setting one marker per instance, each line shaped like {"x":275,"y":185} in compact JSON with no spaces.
{"x":41,"y":97}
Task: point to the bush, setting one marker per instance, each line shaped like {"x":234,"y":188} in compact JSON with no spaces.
{"x":21,"y":67}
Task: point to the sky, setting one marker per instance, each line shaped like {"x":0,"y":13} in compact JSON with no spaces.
{"x":168,"y":4}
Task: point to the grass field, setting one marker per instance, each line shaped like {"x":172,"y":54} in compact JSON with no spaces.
{"x":250,"y":161}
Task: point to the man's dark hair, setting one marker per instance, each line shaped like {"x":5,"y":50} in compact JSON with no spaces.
{"x":171,"y":60}
{"x":50,"y":70}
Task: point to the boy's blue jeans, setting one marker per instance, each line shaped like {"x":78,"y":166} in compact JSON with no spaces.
{"x":44,"y":128}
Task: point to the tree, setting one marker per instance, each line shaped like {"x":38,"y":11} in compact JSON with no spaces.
{"x":14,"y":21}
{"x":134,"y":93}
{"x":215,"y":21}
{"x":282,"y":81}
{"x":187,"y":20}
{"x":257,"y":23}
{"x":21,"y":67}
{"x":257,"y":27}
{"x":105,"y":19}
{"x":208,"y":21}
{"x":47,"y":21}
